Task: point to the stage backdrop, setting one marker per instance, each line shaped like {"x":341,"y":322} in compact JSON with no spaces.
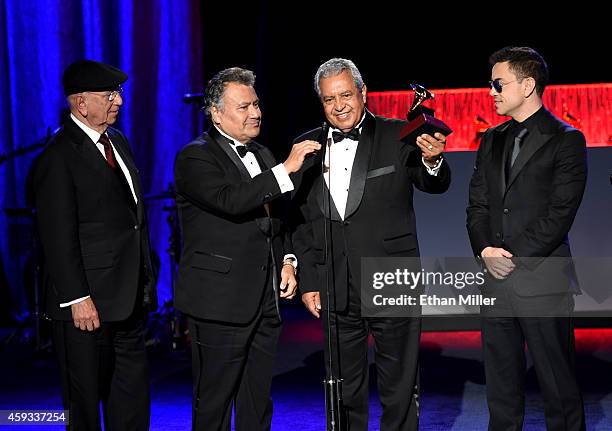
{"x":470,"y":111}
{"x":158,"y":44}
{"x":441,"y":218}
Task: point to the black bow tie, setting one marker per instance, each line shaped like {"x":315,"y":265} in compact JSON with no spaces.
{"x":244,"y":149}
{"x":338,"y":135}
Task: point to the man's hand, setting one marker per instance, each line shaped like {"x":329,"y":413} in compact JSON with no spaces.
{"x":312,"y":301}
{"x":431,"y":147}
{"x":498,"y":262}
{"x":85,"y":315}
{"x":288,"y":284}
{"x":298,"y":154}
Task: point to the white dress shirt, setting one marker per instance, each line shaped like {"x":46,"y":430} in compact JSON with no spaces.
{"x":280,"y":173}
{"x":342,"y":155}
{"x":250,"y":163}
{"x":95,"y":137}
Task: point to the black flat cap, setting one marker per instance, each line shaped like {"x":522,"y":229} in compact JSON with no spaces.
{"x":89,"y":75}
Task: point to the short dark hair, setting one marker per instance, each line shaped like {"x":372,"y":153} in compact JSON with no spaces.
{"x":216,"y":86}
{"x":524,"y":62}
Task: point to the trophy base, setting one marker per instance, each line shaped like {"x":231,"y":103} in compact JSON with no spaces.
{"x":423,"y":124}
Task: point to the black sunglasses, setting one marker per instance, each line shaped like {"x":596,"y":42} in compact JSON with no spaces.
{"x":497,"y":85}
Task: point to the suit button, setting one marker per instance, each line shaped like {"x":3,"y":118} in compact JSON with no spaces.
{"x":136,"y":227}
{"x":506,"y":210}
{"x":264,"y":267}
{"x":498,"y":235}
{"x":346,"y":223}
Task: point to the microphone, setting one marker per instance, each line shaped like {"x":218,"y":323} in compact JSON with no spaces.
{"x":322,"y":136}
{"x":324,"y":131}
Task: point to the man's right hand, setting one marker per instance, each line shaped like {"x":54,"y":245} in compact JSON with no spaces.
{"x":312,"y":301}
{"x":85,"y":315}
{"x":498,"y":261}
{"x":298,"y":154}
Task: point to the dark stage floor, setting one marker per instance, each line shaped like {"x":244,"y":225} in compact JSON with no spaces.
{"x":452,"y":377}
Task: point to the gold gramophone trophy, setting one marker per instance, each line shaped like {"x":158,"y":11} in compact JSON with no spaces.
{"x":421,"y":118}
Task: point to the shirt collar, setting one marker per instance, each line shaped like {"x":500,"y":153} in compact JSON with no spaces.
{"x":232,"y":140}
{"x":531,"y":122}
{"x":93,"y":135}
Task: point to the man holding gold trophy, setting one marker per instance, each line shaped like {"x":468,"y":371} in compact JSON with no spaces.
{"x":353,"y":200}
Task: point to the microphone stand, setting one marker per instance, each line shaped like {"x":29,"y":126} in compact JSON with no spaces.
{"x":333,"y":383}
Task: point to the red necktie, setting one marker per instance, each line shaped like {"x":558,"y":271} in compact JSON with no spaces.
{"x":108,"y":150}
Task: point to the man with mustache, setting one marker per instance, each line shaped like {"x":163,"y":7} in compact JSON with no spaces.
{"x":370,"y":175}
{"x":232,"y":270}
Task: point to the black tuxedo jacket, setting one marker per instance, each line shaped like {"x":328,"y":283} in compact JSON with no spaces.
{"x":532,"y":212}
{"x":379,"y":216}
{"x":95,"y":241}
{"x":226,"y":232}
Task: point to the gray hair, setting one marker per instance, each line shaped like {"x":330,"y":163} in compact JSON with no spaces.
{"x":216,"y":86}
{"x":334,"y":67}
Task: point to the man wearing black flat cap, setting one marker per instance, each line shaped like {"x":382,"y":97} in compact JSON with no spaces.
{"x":95,"y":242}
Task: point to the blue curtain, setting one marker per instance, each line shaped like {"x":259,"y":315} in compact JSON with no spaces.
{"x":157,"y":43}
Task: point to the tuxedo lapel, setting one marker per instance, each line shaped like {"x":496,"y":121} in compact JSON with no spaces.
{"x":265,"y":157}
{"x":359,"y":172}
{"x":94,"y":158}
{"x":533,"y":142}
{"x":224,"y":144}
{"x":323,"y":196}
{"x":88,"y":150}
{"x":499,"y":156}
{"x":269,"y":224}
{"x":546,"y":128}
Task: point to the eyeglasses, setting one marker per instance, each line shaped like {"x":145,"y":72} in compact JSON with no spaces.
{"x":497,"y":85}
{"x":111,"y":95}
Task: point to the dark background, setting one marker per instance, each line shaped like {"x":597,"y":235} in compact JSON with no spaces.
{"x":392,"y":45}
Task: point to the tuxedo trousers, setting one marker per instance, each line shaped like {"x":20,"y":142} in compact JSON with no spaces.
{"x":232,"y":366}
{"x":396,"y":351}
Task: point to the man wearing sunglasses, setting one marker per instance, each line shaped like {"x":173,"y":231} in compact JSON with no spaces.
{"x":526,"y":188}
{"x":94,"y":236}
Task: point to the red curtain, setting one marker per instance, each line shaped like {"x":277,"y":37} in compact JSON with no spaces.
{"x":470,"y":111}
